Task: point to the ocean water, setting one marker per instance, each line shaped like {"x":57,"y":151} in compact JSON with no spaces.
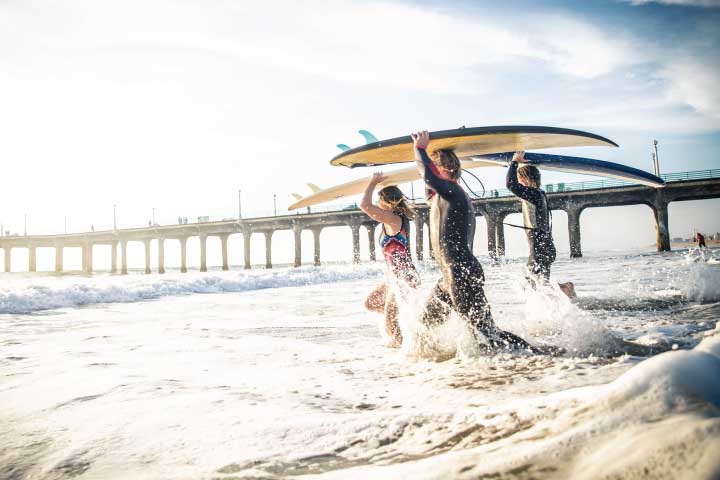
{"x":269,"y":374}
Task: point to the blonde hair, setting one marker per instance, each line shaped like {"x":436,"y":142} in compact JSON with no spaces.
{"x":394,"y":197}
{"x":449,"y":161}
{"x":530,"y":174}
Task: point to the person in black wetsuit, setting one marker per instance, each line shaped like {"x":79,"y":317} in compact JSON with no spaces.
{"x":524,"y":182}
{"x":393,"y":212}
{"x":452,"y":227}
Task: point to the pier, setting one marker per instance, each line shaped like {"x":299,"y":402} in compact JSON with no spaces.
{"x":573,"y":198}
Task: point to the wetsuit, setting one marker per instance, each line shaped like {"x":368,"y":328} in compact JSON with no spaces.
{"x":536,"y":218}
{"x":396,"y":250}
{"x":452,"y":227}
{"x":701,"y":240}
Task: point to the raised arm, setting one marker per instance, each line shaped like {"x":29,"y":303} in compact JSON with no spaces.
{"x":443,"y":187}
{"x":532,"y":195}
{"x":386,"y":217}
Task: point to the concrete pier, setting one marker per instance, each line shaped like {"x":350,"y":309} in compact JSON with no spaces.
{"x":355,"y":229}
{"x":268,"y":248}
{"x":58,"y":258}
{"x":32,"y":258}
{"x":148,"y":261}
{"x":495,"y":210}
{"x":183,"y":254}
{"x":113,"y":259}
{"x":224,"y":249}
{"x":573,"y":218}
{"x":297,"y":234}
{"x":316,"y":246}
{"x":203,"y":253}
{"x":370,"y":227}
{"x":123,"y":259}
{"x":161,"y":255}
{"x":246,"y":248}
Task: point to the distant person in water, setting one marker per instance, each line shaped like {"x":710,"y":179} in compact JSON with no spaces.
{"x":524,"y":182}
{"x":452,"y":227}
{"x":393,"y":212}
{"x":700,"y":239}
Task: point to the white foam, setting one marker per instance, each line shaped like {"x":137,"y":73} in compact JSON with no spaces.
{"x":44,"y":293}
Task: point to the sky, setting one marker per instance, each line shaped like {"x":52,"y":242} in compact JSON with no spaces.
{"x":175,"y":105}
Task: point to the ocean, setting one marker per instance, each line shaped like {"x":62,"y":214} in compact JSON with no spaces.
{"x":269,"y":374}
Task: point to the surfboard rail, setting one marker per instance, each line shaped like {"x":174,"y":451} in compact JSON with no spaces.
{"x":483,"y":140}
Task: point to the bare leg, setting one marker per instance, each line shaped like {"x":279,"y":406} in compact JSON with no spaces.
{"x":375,"y":301}
{"x":437,"y":307}
{"x":392,"y":326}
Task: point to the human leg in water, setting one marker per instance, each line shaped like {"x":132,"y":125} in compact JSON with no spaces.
{"x":376,"y":300}
{"x":392,"y":325}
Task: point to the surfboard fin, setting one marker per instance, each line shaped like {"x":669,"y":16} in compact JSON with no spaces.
{"x":313,"y":187}
{"x":369,"y":137}
{"x":343,"y":147}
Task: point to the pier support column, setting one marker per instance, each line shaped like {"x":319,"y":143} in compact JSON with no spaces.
{"x":183,"y":254}
{"x":662,"y":232}
{"x":431,"y":250}
{"x":32,"y":259}
{"x":88,"y":254}
{"x":492,"y":222}
{"x":123,"y":259}
{"x":419,"y":234}
{"x":316,"y":245}
{"x":268,"y":248}
{"x":246,"y":249}
{"x":574,"y":231}
{"x":297,"y":233}
{"x":500,"y":236}
{"x":161,"y":255}
{"x":370,"y":227}
{"x":223,"y":246}
{"x":8,"y":251}
{"x":147,"y":256}
{"x":355,"y":229}
{"x":113,"y":257}
{"x":58,"y":258}
{"x":203,"y":253}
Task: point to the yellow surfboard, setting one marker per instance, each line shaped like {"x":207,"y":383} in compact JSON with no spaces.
{"x":358,"y":186}
{"x":466,"y":142}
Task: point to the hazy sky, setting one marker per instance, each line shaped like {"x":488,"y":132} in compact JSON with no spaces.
{"x":175,"y":105}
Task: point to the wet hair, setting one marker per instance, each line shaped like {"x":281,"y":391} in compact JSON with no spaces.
{"x":394,"y":196}
{"x":530,"y":174}
{"x":449,"y":161}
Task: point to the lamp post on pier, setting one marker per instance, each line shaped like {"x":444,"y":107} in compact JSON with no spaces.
{"x":114,"y":217}
{"x":239,"y":204}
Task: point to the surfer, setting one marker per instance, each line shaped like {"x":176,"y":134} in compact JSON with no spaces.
{"x":393,"y":212}
{"x":700,"y":240}
{"x":452,"y":227}
{"x":524,"y":182}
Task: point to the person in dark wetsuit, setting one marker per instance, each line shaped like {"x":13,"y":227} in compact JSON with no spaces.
{"x":393,"y":212}
{"x":452,"y":227}
{"x":524,"y":182}
{"x":700,"y":239}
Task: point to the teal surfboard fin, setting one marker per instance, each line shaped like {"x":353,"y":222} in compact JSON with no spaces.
{"x":369,"y":137}
{"x":343,"y":147}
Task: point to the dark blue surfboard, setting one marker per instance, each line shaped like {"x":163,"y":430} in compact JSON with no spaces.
{"x":585,"y":166}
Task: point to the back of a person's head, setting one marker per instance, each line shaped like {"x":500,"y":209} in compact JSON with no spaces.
{"x":449,"y":161}
{"x":393,"y":196}
{"x":530,"y":174}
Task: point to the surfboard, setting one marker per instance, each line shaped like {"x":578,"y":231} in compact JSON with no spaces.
{"x":358,"y":186}
{"x":584,"y":166}
{"x":466,"y":142}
